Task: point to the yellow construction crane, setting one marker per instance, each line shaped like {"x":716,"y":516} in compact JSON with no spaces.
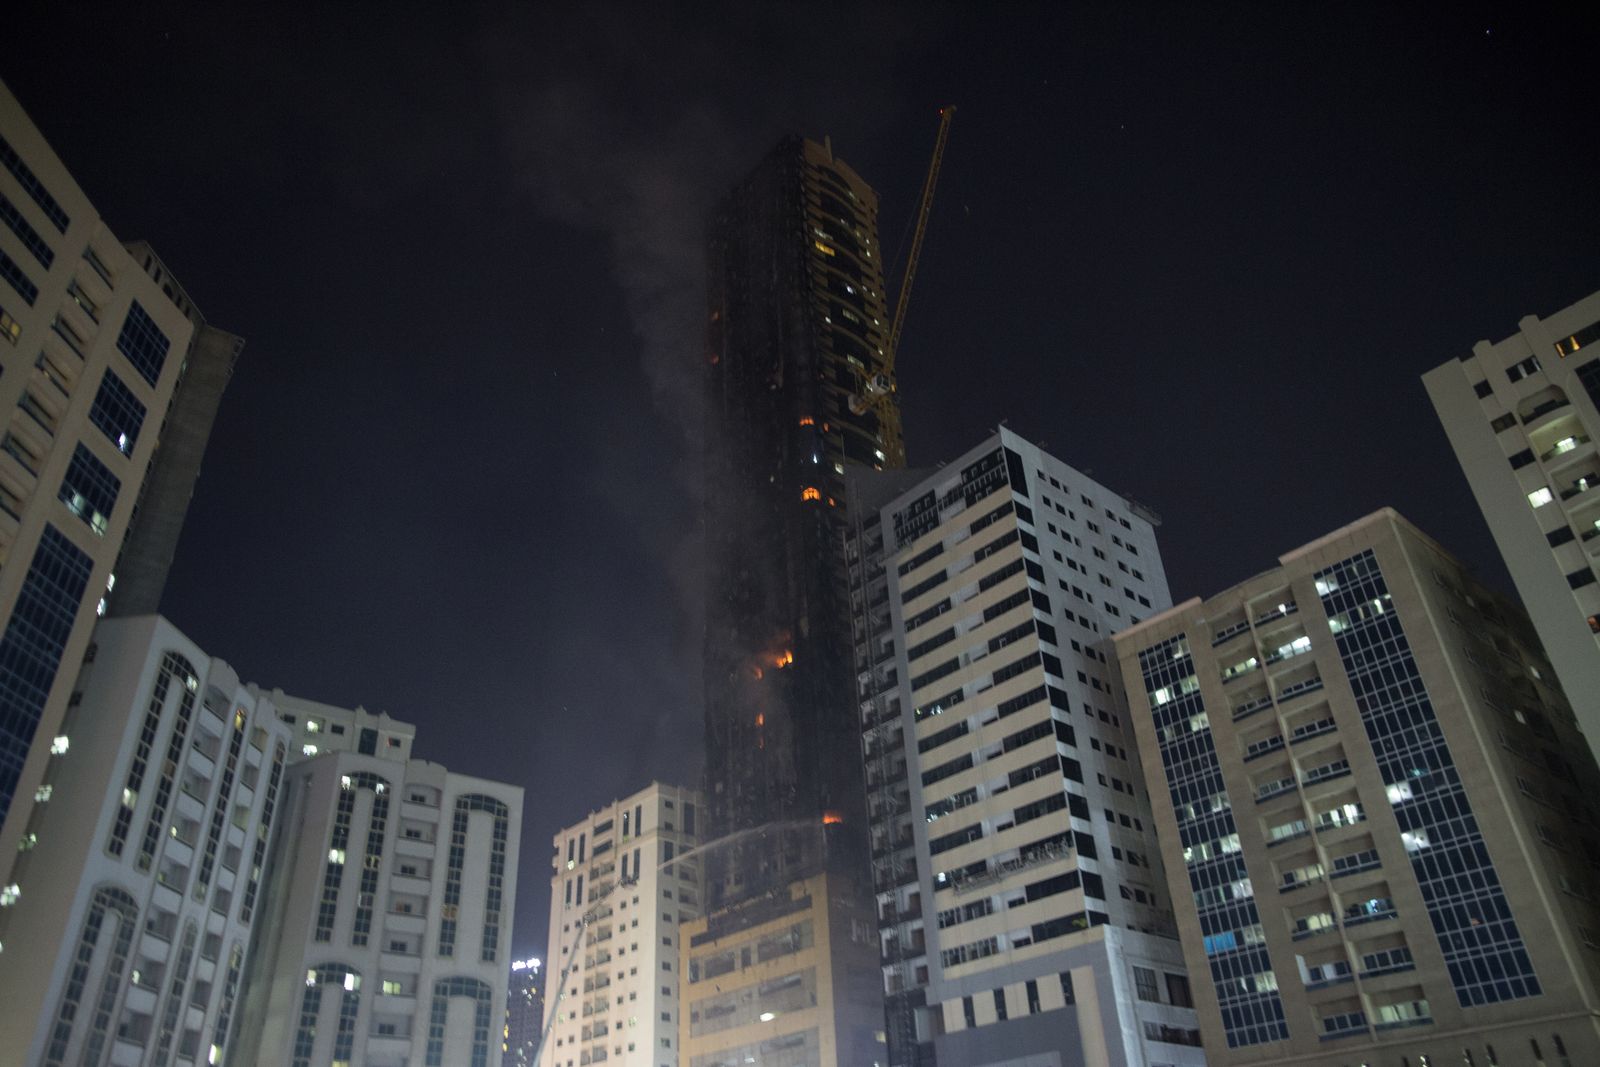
{"x":876,"y":392}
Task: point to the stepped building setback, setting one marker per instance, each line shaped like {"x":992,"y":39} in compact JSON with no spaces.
{"x":1377,"y":812}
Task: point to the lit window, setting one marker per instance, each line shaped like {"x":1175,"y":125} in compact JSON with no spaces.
{"x":42,"y":794}
{"x":810,"y":493}
{"x":309,"y":750}
{"x":129,"y":798}
{"x":1540,"y":497}
{"x":58,"y":747}
{"x":9,"y":895}
{"x":312,"y":726}
{"x":336,"y":855}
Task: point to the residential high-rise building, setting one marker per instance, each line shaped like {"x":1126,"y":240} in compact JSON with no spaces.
{"x":1021,"y":904}
{"x":797,"y":328}
{"x":1523,"y":416}
{"x":389,"y":896}
{"x":1378,"y":815}
{"x":136,"y":897}
{"x":619,"y":892}
{"x":524,"y":1012}
{"x":94,"y":340}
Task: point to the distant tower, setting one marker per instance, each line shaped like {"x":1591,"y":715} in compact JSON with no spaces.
{"x":1523,"y":417}
{"x":797,"y":326}
{"x":101,"y":354}
{"x":524,"y":1012}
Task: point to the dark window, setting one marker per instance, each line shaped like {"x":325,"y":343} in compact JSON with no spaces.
{"x":33,"y":186}
{"x":967,"y":1010}
{"x":1178,"y":991}
{"x":1579,"y":579}
{"x":1559,"y":537}
{"x":30,"y":651}
{"x":1034,"y":1006}
{"x":117,"y":412}
{"x":1503,"y":423}
{"x":1066,"y":988}
{"x":1144,"y":984}
{"x":1000,"y":1004}
{"x":25,"y":233}
{"x":142,"y":341}
{"x":368,"y":745}
{"x":89,"y":489}
{"x":1483,"y":388}
{"x":12,"y":272}
{"x":1522,"y":459}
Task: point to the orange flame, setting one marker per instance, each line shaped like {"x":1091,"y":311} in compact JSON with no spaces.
{"x":832,"y":818}
{"x":810,"y":493}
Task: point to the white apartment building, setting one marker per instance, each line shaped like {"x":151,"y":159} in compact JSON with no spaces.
{"x":1523,"y":416}
{"x":391,"y":892}
{"x":136,"y":894}
{"x":617,"y":897}
{"x":1022,"y":904}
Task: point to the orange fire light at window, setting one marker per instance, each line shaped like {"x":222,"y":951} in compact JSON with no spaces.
{"x":807,"y":420}
{"x":761,"y":718}
{"x":809,"y":493}
{"x":832,"y":818}
{"x":783,"y":659}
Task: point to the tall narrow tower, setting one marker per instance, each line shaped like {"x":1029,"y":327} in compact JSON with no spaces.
{"x":798,"y":328}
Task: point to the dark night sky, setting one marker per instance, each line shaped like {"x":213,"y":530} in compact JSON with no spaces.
{"x":1204,"y":254}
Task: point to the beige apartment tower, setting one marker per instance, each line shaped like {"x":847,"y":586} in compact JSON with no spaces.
{"x":1523,"y":416}
{"x":619,"y":897}
{"x":1377,"y":813}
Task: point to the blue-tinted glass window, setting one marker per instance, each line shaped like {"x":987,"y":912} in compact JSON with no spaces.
{"x":30,"y":652}
{"x":32,"y":185}
{"x":117,"y":412}
{"x":1478,"y":936}
{"x":142,"y":341}
{"x":13,"y":273}
{"x":25,"y":233}
{"x":90,"y":489}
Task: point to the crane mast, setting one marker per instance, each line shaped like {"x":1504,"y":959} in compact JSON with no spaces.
{"x":877,"y":392}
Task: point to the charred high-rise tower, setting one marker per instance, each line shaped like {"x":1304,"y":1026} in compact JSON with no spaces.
{"x":797,"y":333}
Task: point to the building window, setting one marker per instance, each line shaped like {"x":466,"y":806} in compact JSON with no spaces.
{"x":89,"y":489}
{"x":482,"y":998}
{"x":25,"y":233}
{"x":12,"y":272}
{"x":1582,"y":339}
{"x":1483,"y":389}
{"x":1580,"y":578}
{"x":117,"y":905}
{"x":33,"y":186}
{"x":1178,"y":991}
{"x":143,"y":343}
{"x":1144,"y":983}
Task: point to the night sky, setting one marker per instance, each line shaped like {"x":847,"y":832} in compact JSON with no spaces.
{"x":1204,"y":255}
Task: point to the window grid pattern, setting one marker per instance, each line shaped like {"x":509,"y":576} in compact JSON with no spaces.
{"x":33,"y":186}
{"x":344,"y":1038}
{"x":142,"y":341}
{"x":125,"y":911}
{"x":439,"y":1015}
{"x":171,"y":664}
{"x":1241,"y":969}
{"x":221,"y":806}
{"x":465,"y":806}
{"x":30,"y":652}
{"x":13,"y":273}
{"x":26,"y":233}
{"x":230,"y":990}
{"x":89,"y":489}
{"x":339,"y":842}
{"x":175,"y":991}
{"x":156,"y":822}
{"x":263,"y":833}
{"x":1483,"y":949}
{"x":117,"y":412}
